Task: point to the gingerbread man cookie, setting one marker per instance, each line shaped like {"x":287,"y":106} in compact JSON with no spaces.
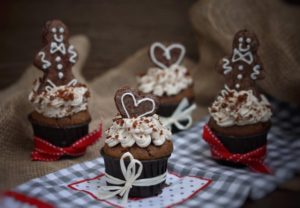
{"x":57,"y":56}
{"x":243,"y":67}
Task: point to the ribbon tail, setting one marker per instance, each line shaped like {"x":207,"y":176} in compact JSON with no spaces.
{"x":39,"y":156}
{"x":259,"y":167}
{"x":125,"y":197}
{"x":183,"y":127}
{"x":108,"y":193}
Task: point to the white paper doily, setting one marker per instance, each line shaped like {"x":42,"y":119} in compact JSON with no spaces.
{"x":178,"y":190}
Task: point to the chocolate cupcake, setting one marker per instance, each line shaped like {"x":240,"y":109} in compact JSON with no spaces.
{"x":60,"y":113}
{"x":240,"y":120}
{"x":240,"y":115}
{"x":169,"y":81}
{"x":138,"y":131}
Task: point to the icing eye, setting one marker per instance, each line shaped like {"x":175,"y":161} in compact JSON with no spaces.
{"x":61,"y":30}
{"x":241,"y":39}
{"x":248,"y":40}
{"x":54,"y":30}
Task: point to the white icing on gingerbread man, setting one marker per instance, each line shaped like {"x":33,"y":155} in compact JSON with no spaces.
{"x":58,"y":55}
{"x":243,"y":66}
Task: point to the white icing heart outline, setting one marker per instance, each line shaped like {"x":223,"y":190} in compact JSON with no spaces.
{"x":167,"y":53}
{"x":136,"y":103}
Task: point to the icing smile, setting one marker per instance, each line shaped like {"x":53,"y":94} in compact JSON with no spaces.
{"x":247,"y":45}
{"x":244,"y":49}
{"x":58,"y":37}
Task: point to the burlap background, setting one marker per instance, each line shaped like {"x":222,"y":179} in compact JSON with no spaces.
{"x":215,"y":23}
{"x":276,"y":24}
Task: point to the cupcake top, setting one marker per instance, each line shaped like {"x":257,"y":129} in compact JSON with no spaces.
{"x":137,"y":124}
{"x":240,"y":108}
{"x":141,"y":131}
{"x":57,"y":94}
{"x":240,"y":103}
{"x":59,"y":101}
{"x":169,"y":78}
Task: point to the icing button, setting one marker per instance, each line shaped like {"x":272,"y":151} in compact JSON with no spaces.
{"x":60,"y":75}
{"x":59,"y":66}
{"x":58,"y":59}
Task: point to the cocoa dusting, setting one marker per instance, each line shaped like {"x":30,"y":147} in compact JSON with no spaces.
{"x":87,"y":94}
{"x":223,"y":105}
{"x":161,"y":133}
{"x":213,"y":110}
{"x":51,"y":97}
{"x":230,"y":94}
{"x":134,"y":125}
{"x":242,"y":98}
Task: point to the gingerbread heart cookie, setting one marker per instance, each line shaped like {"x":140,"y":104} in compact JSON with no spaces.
{"x":131,"y":103}
{"x":166,"y":56}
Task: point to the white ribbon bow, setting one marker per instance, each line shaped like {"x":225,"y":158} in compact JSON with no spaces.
{"x":131,"y":174}
{"x":180,"y":114}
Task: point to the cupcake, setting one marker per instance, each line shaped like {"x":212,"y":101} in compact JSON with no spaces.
{"x":60,"y":101}
{"x":168,"y":80}
{"x":240,"y":115}
{"x":138,"y":131}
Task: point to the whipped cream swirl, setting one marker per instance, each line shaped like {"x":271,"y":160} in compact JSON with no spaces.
{"x":169,"y":81}
{"x":59,"y":101}
{"x":141,"y":131}
{"x":240,"y":108}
